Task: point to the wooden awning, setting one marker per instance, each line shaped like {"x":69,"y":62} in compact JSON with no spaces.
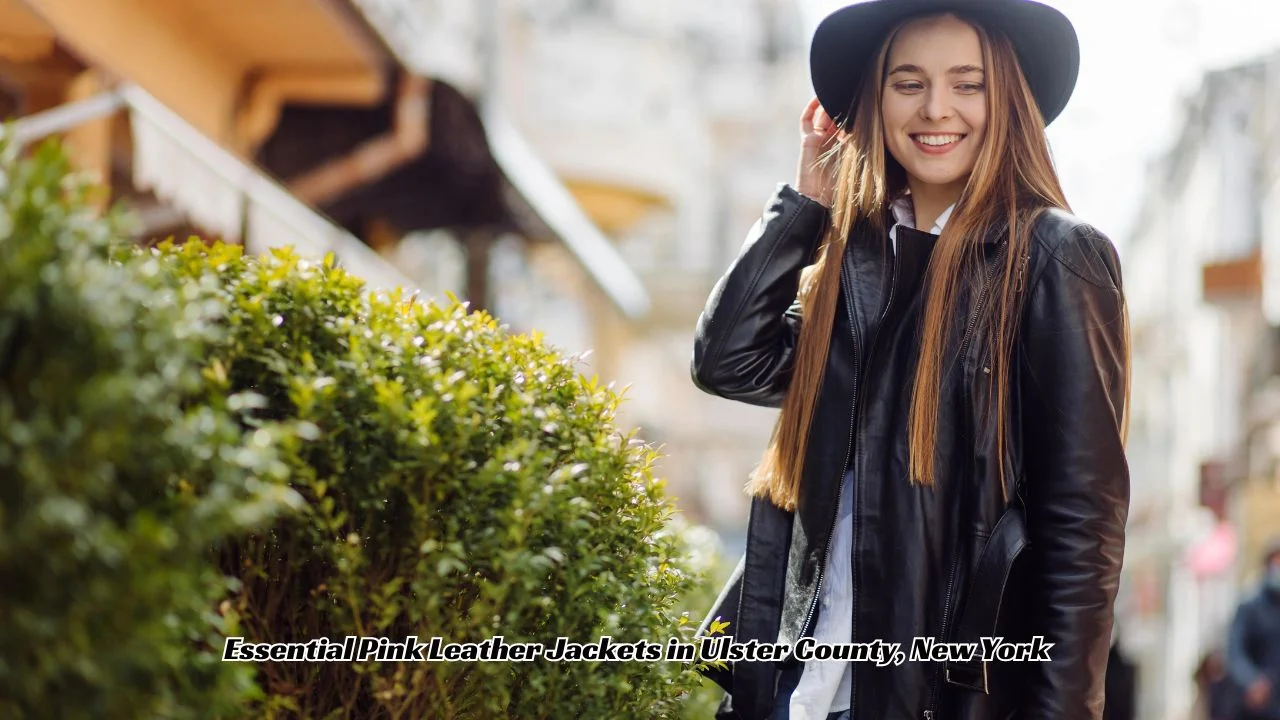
{"x":473,"y":173}
{"x":214,"y":188}
{"x":255,"y":78}
{"x":224,"y":65}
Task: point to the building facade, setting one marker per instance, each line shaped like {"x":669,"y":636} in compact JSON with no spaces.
{"x":1201,"y":279}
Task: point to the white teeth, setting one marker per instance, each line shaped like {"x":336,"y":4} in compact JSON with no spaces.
{"x":938,"y":139}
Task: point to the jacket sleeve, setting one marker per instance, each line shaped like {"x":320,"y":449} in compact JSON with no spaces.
{"x":1076,"y":475}
{"x":745,"y":340}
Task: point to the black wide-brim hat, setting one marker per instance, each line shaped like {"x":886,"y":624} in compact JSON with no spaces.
{"x":845,"y":44}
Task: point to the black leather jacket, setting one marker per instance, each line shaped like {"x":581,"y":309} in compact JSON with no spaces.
{"x":957,"y":562}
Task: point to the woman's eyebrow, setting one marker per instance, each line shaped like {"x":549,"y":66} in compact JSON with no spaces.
{"x":957,"y":70}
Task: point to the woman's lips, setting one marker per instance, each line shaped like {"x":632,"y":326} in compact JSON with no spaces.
{"x":936,"y":143}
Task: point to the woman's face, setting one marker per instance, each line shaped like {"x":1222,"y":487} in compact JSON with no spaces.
{"x":934,"y":105}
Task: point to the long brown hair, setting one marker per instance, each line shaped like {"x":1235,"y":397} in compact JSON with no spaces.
{"x":1012,"y":181}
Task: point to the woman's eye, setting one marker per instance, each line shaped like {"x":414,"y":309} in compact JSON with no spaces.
{"x":970,"y":87}
{"x":908,"y":86}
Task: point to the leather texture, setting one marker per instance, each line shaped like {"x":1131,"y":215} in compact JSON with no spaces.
{"x":958,"y":561}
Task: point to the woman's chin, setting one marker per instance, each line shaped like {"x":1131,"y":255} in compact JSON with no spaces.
{"x":937,"y":177}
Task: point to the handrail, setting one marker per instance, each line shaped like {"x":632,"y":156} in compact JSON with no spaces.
{"x":557,"y":207}
{"x":314,"y":234}
{"x":32,"y":127}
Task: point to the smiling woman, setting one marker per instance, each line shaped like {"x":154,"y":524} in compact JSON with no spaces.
{"x":935,"y":112}
{"x":948,"y":346}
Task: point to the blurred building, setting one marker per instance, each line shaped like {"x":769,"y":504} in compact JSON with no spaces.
{"x":1203,"y":283}
{"x":671,"y":123}
{"x":583,"y":168}
{"x":296,"y":122}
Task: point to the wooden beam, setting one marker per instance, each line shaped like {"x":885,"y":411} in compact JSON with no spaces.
{"x":381,"y":236}
{"x":269,"y":91}
{"x":89,"y":145}
{"x":374,"y":158}
{"x":19,"y":48}
{"x":177,"y":64}
{"x":23,"y":35}
{"x":55,"y":69}
{"x":477,"y":247}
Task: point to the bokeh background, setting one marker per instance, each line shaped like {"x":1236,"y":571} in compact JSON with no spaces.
{"x":586,"y":169}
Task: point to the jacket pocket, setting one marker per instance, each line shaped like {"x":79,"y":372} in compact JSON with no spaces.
{"x":987,"y":588}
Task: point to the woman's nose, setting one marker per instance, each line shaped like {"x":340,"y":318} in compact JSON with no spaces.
{"x":936,"y":105}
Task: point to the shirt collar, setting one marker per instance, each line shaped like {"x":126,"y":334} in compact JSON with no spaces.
{"x":904,"y":214}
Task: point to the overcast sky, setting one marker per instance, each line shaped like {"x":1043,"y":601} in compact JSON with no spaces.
{"x":1139,"y":59}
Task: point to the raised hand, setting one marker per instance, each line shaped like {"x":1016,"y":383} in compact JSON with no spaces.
{"x":818,"y":134}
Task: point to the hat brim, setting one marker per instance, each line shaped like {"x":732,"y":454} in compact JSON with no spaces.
{"x":845,"y":43}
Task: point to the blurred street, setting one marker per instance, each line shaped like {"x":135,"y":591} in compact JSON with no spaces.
{"x":586,"y":169}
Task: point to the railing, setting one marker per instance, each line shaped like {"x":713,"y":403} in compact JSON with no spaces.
{"x":531,"y":176}
{"x":217,"y":190}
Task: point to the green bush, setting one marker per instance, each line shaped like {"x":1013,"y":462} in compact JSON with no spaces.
{"x":117,"y":471}
{"x":461,"y":482}
{"x":200,"y":445}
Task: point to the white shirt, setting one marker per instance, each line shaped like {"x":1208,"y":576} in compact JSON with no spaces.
{"x":825,"y":687}
{"x":904,"y":212}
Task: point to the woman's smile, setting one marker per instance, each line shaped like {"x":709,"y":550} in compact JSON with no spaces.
{"x":935,"y":143}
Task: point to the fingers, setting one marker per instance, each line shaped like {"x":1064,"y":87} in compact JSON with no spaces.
{"x":822,"y":122}
{"x":807,"y":117}
{"x":825,"y":126}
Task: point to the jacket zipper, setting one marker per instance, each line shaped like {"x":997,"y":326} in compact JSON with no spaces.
{"x":857,"y":416}
{"x":853,"y":423}
{"x":835,"y":515}
{"x":931,"y":713}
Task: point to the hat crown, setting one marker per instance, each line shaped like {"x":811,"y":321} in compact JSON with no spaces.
{"x":845,"y":42}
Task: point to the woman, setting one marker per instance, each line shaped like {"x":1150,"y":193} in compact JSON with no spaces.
{"x":948,"y":347}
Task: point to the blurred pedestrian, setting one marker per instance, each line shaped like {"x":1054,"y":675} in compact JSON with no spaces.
{"x":1253,"y":649}
{"x":1216,"y":698}
{"x":948,"y":346}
